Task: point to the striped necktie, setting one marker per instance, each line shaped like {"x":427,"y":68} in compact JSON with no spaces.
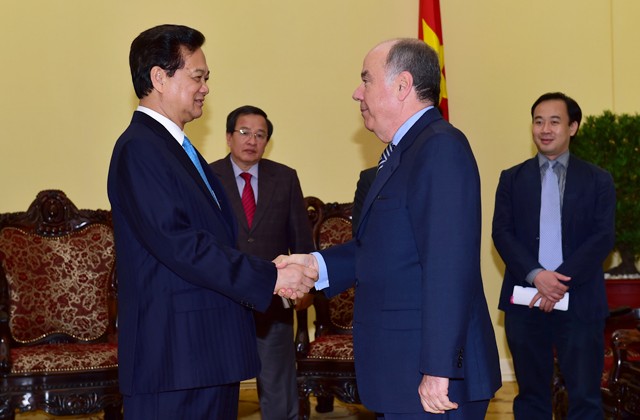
{"x":248,"y":198}
{"x":193,"y":155}
{"x":385,"y":155}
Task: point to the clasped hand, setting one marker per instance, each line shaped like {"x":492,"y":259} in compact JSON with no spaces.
{"x":551,"y":289}
{"x":297,"y":274}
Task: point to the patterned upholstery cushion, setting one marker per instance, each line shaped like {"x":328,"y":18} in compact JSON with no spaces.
{"x":334,"y":231}
{"x":58,"y":284}
{"x":341,"y":309}
{"x":64,"y":357}
{"x":332,"y":347}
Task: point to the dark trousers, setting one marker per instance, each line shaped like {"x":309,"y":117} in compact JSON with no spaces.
{"x":212,"y":403}
{"x":533,"y":336}
{"x":475,"y":410}
{"x":277,"y":384}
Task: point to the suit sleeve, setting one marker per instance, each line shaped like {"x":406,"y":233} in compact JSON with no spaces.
{"x":170,"y":218}
{"x":444,"y":207}
{"x":518,"y":258}
{"x":341,"y":267}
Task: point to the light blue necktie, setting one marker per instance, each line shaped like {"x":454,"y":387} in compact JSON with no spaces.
{"x":193,"y":155}
{"x":550,"y":251}
{"x":385,"y":155}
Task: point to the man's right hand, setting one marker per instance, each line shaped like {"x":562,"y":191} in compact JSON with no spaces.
{"x":550,"y":289}
{"x":306,"y":260}
{"x":294,"y":280}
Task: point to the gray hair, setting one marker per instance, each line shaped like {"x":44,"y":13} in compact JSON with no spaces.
{"x":421,"y":61}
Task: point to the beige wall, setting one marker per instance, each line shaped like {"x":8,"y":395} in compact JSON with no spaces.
{"x":66,"y":91}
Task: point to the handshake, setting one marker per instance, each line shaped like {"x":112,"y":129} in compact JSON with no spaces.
{"x":297,"y":274}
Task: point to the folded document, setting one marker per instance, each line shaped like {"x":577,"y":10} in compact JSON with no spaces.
{"x":523,"y":295}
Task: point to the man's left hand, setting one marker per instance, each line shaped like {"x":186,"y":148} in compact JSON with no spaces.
{"x":434,"y":394}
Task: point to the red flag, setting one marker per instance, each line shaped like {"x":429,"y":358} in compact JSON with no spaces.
{"x":430,"y":31}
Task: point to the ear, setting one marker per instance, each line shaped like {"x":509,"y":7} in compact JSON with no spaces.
{"x":229,"y":136}
{"x":404,"y":83}
{"x":158,"y":77}
{"x":573,"y":127}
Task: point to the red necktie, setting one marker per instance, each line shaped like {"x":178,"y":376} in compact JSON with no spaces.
{"x":248,"y":199}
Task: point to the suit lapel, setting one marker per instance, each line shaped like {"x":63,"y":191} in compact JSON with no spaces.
{"x":572,"y":185}
{"x":266,"y":191}
{"x":228,"y":180}
{"x":530,"y":188}
{"x":394,"y":161}
{"x":224,"y":211}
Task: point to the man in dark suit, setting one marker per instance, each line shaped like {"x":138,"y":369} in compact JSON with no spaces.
{"x":362,"y":188}
{"x":275,"y":222}
{"x":584,"y":226}
{"x":423,"y":340}
{"x":186,"y":294}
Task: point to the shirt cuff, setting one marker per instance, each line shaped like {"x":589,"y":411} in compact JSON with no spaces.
{"x":323,"y":275}
{"x":532,"y":275}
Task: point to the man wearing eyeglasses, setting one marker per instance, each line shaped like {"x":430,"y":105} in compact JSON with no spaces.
{"x":272,"y":220}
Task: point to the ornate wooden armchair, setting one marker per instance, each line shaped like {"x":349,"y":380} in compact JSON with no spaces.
{"x":58,"y":349}
{"x":620,"y":383}
{"x":621,"y":390}
{"x":325,"y":365}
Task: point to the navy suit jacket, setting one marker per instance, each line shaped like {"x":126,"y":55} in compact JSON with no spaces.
{"x":362,"y":188}
{"x":280,"y":224}
{"x":419,"y":301}
{"x":588,"y":232}
{"x":185,"y":293}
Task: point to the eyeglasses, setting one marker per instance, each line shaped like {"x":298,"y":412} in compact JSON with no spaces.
{"x":246,"y":134}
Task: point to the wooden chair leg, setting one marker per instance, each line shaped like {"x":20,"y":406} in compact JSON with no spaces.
{"x":325,"y":404}
{"x":7,"y":415}
{"x":113,"y":412}
{"x":304,"y":407}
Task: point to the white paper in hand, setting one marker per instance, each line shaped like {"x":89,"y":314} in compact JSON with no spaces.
{"x":523,"y":295}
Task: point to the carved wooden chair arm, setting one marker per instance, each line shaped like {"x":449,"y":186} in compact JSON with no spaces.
{"x":302,"y":334}
{"x":5,"y":343}
{"x":623,"y":342}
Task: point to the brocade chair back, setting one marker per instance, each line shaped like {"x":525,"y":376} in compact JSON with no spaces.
{"x":58,"y":294}
{"x":335,"y":229}
{"x":325,"y":364}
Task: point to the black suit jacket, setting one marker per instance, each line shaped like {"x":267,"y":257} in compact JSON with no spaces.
{"x":185,"y":293}
{"x":588,"y":232}
{"x":280,"y":224}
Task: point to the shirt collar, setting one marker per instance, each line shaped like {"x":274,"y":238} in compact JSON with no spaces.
{"x":407,"y":125}
{"x":171,"y":127}
{"x":237,"y":171}
{"x":563,"y":159}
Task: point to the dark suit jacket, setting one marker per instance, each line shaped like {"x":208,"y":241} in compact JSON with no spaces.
{"x":588,"y":232}
{"x":280,"y":224}
{"x":185,"y":292}
{"x":419,"y":302}
{"x":362,"y":188}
